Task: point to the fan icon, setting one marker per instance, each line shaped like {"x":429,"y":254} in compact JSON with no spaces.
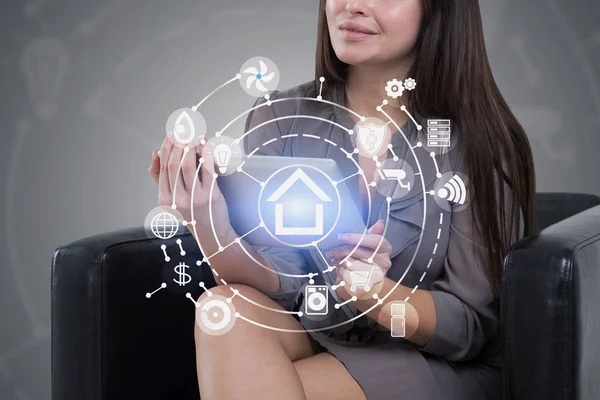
{"x":259,"y":75}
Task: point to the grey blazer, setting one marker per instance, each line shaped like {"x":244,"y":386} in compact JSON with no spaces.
{"x":448,"y":263}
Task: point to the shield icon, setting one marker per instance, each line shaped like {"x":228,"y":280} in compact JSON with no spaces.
{"x":372,"y":137}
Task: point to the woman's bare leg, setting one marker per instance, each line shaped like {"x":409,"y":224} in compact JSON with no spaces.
{"x":251,"y":362}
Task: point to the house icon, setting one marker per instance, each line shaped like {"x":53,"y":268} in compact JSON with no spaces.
{"x":299,"y":175}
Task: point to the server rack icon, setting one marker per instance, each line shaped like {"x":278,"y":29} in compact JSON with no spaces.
{"x":438,"y":132}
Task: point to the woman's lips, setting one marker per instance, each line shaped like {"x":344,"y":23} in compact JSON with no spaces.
{"x":355,"y":36}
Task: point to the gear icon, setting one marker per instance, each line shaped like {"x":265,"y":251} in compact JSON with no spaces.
{"x":394,"y":88}
{"x":410,"y":84}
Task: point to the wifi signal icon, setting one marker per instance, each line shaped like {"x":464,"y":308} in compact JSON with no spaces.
{"x":454,"y":191}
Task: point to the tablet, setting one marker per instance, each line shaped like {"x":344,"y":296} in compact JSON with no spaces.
{"x":290,"y":202}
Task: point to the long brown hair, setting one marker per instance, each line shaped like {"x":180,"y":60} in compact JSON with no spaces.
{"x":452,"y":59}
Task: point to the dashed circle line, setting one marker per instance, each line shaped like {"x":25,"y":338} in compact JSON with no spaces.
{"x":349,"y":155}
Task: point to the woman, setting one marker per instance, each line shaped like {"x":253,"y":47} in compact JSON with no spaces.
{"x":451,"y":347}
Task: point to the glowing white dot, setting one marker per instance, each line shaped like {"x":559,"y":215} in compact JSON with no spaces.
{"x":361,"y":172}
{"x":236,"y":292}
{"x":378,"y":108}
{"x":239,"y":169}
{"x":375,"y":295}
{"x":189,"y":296}
{"x":373,"y":184}
{"x":201,"y":160}
{"x":205,"y":259}
{"x":269,"y":102}
{"x":313,"y":243}
{"x":218,"y":134}
{"x":403,"y":108}
{"x":319,"y":97}
{"x":395,"y":158}
{"x":363,"y":118}
{"x":311,"y":281}
{"x":228,"y":300}
{"x":194,"y":108}
{"x":385,"y":102}
{"x":389,"y":199}
{"x":348,"y":264}
{"x":354,"y":298}
{"x":193,"y":222}
{"x":336,"y":306}
{"x":148,"y":295}
{"x":184,"y":222}
{"x":390,"y":146}
{"x":267,"y":96}
{"x":432,"y":192}
{"x":174,"y":206}
{"x":237,"y":314}
{"x":419,"y":127}
{"x":186,"y":149}
{"x":443,"y":193}
{"x":370,"y":260}
{"x":198,"y":263}
{"x":439,"y":175}
{"x":322,"y":79}
{"x":300,"y":313}
{"x":215,"y":175}
{"x":237,"y":240}
{"x":350,"y":132}
{"x":432,"y":154}
{"x":238,"y":76}
{"x":221,"y":248}
{"x":380,"y":301}
{"x":419,"y":144}
{"x":163,"y":246}
{"x":378,"y":164}
{"x":356,"y":151}
{"x":167,"y":259}
{"x":163,"y":285}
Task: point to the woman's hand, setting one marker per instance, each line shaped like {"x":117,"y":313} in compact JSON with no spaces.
{"x":368,"y":261}
{"x":175,"y":172}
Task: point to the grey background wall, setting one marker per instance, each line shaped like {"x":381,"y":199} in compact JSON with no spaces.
{"x":82,"y":112}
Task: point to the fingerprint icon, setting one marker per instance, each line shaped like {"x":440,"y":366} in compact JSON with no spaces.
{"x":454,"y":190}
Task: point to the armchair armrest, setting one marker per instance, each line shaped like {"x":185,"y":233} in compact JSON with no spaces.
{"x":551,"y":312}
{"x":109,"y":341}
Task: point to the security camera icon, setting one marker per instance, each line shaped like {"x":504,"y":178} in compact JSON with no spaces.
{"x":399,"y":174}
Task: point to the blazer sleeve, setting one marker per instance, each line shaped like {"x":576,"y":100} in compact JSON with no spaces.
{"x":467,"y":315}
{"x":285,"y":260}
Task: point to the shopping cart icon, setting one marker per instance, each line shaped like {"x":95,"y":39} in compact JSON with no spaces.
{"x":361,"y":279}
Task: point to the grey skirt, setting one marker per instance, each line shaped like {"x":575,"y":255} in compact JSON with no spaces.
{"x":398,"y":370}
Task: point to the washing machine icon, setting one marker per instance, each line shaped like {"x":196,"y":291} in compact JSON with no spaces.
{"x":316,"y":300}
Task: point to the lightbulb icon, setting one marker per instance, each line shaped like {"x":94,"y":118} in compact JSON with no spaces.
{"x":222,"y":157}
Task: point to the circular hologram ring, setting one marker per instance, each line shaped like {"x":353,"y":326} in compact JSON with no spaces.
{"x":215,"y":315}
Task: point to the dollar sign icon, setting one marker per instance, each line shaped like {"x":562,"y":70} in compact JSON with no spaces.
{"x":183,"y":278}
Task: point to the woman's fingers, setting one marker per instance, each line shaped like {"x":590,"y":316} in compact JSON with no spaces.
{"x":370,"y":240}
{"x":154,"y":169}
{"x":189,"y":169}
{"x":174,"y":169}
{"x":339,"y":253}
{"x":164,"y":186}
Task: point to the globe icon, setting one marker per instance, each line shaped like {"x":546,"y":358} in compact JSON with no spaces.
{"x":164,"y":225}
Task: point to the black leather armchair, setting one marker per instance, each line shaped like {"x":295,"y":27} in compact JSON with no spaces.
{"x":109,"y":341}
